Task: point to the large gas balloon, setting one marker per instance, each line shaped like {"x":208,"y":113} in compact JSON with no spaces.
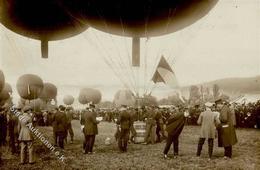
{"x":68,"y":100}
{"x":29,"y":86}
{"x":124,"y":97}
{"x":49,"y":92}
{"x":88,"y":95}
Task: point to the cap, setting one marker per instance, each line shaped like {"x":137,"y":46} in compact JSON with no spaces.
{"x":27,"y":108}
{"x":208,"y":104}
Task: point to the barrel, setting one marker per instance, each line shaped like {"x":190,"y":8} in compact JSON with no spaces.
{"x":140,"y":128}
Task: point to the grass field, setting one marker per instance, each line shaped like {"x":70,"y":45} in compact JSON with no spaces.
{"x":246,"y":153}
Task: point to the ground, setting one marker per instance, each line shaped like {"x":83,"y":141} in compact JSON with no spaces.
{"x":246,"y":153}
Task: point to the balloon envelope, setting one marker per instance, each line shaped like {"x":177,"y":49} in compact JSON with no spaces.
{"x":37,"y":104}
{"x":49,"y":92}
{"x":2,"y":80}
{"x":124,"y":97}
{"x":68,"y":100}
{"x":137,"y":18}
{"x":41,"y":19}
{"x":29,"y":86}
{"x":5,"y":93}
{"x":88,"y":95}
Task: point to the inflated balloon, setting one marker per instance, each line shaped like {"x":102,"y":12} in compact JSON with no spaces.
{"x":49,"y":92}
{"x":88,"y":95}
{"x":137,"y":18}
{"x":36,"y":104}
{"x":29,"y":86}
{"x":124,"y":97}
{"x":2,"y":80}
{"x":44,"y":20}
{"x":8,"y":88}
{"x":5,"y":93}
{"x":148,"y":100}
{"x":68,"y":100}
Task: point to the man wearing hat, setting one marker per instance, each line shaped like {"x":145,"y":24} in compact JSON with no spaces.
{"x":90,"y":129}
{"x":25,"y":135}
{"x":150,"y":125}
{"x":13,"y":130}
{"x":60,"y":125}
{"x":124,"y":123}
{"x":226,"y":131}
{"x":208,"y":121}
{"x":174,"y":127}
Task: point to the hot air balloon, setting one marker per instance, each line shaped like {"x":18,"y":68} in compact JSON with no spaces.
{"x":135,"y":18}
{"x":87,"y":95}
{"x":44,"y":20}
{"x":49,"y":92}
{"x":124,"y":97}
{"x":68,"y":100}
{"x":2,"y":80}
{"x":29,"y":86}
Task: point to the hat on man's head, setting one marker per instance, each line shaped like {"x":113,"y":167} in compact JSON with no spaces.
{"x":208,"y":104}
{"x":92,"y":106}
{"x":61,"y":107}
{"x":27,"y":108}
{"x":219,"y":101}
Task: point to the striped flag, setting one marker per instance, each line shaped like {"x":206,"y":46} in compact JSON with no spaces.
{"x":165,"y":74}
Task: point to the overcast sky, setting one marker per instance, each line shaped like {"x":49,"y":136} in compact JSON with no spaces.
{"x":225,"y":43}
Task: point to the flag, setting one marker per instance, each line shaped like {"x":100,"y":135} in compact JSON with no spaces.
{"x":165,"y":74}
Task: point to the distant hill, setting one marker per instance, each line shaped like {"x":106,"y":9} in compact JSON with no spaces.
{"x":233,"y":85}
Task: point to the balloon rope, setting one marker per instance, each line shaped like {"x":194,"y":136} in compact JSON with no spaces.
{"x":112,"y":65}
{"x":129,"y":56}
{"x":120,"y":59}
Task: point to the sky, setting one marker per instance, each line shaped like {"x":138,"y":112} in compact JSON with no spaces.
{"x":224,"y":43}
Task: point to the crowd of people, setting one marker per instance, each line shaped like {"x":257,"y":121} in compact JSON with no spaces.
{"x":161,"y":124}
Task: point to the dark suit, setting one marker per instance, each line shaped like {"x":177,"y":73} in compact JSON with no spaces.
{"x":226,"y":132}
{"x":90,"y":130}
{"x":60,"y":127}
{"x":125,"y":122}
{"x":13,"y":133}
{"x":174,"y":127}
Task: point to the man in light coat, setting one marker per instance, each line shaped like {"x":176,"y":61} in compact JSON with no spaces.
{"x":208,"y":121}
{"x":25,"y":135}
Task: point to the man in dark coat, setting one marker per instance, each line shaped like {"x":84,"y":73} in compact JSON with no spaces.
{"x":159,"y":125}
{"x":226,"y":131}
{"x":150,"y":126}
{"x":60,"y":125}
{"x":174,"y":126}
{"x":69,"y":114}
{"x":90,"y":129}
{"x":3,"y":126}
{"x":124,"y":123}
{"x":13,"y":131}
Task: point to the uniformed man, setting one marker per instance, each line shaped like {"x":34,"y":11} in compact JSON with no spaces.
{"x":60,"y":122}
{"x":90,"y":129}
{"x":25,"y":135}
{"x":124,"y":124}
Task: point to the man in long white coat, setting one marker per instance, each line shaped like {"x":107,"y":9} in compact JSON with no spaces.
{"x":208,"y":121}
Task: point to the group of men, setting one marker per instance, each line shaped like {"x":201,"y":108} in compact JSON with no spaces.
{"x":215,"y":118}
{"x":14,"y":125}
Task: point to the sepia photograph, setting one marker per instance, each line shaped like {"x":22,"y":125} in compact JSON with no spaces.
{"x":130,"y":84}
